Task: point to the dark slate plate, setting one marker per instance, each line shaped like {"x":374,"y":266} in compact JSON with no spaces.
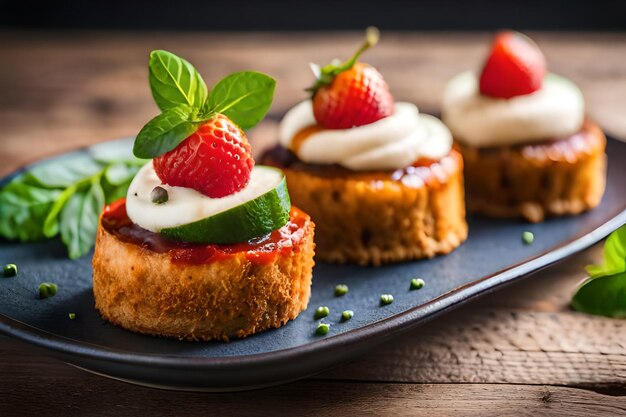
{"x":493,"y":255}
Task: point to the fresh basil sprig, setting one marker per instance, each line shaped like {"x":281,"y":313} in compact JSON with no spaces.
{"x":183,"y":97}
{"x":604,"y":292}
{"x":65,"y":197}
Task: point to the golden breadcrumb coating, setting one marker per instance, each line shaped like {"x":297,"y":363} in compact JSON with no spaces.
{"x":144,"y":291}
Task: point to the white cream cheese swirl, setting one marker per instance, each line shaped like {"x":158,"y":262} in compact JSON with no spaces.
{"x":186,"y":205}
{"x":555,"y":110}
{"x":390,"y":143}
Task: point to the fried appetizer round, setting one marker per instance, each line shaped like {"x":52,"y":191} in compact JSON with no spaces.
{"x":371,"y":218}
{"x":150,"y":285}
{"x":538,"y":180}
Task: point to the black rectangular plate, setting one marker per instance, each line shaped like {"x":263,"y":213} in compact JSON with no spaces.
{"x":492,"y":256}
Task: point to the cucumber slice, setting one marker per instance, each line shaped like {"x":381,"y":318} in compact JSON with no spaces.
{"x":253,"y":218}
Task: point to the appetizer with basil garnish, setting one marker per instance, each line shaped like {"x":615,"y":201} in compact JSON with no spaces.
{"x":206,"y":245}
{"x":380,"y":179}
{"x":529,"y":150}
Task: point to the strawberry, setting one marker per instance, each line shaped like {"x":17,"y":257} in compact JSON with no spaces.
{"x":216,"y":160}
{"x":515,"y":67}
{"x":351,"y":94}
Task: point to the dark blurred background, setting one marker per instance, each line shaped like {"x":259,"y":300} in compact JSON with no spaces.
{"x":227,"y":15}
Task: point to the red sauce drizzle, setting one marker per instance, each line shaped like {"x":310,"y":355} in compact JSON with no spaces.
{"x":261,"y":250}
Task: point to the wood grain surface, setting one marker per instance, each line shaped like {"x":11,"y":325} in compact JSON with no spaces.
{"x":517,"y":351}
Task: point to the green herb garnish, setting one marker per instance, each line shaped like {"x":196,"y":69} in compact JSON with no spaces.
{"x":528,"y":238}
{"x":65,"y":197}
{"x":341,"y":289}
{"x":9,"y":270}
{"x":347,"y":315}
{"x":386,"y":299}
{"x":604,"y":292}
{"x":185,"y":102}
{"x":47,"y":290}
{"x":417,"y":283}
{"x":322,"y":329}
{"x":321,"y":312}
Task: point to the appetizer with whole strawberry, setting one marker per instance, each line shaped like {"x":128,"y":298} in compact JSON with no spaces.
{"x":206,"y":244}
{"x":529,"y":150}
{"x":380,"y":179}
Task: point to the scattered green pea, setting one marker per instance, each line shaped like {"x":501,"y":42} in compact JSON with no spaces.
{"x":72,"y":316}
{"x":417,"y":283}
{"x":341,"y":289}
{"x":47,"y":290}
{"x":386,"y":299}
{"x":159,"y":195}
{"x":347,"y":315}
{"x":322,"y":329}
{"x":528,"y":237}
{"x":10,"y":270}
{"x":321,"y":312}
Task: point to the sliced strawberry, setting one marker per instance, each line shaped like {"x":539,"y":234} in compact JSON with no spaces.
{"x":515,"y":67}
{"x":355,"y":97}
{"x":216,"y":160}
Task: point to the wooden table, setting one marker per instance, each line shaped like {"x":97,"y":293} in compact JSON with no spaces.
{"x":516,"y":351}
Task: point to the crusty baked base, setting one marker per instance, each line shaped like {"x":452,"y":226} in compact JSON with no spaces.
{"x":370,"y":218}
{"x":535,"y":181}
{"x":145,"y":292}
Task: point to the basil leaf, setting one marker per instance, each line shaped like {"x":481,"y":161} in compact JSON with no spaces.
{"x":108,"y":153}
{"x":63,"y":172}
{"x":614,"y":255}
{"x":117,"y":179}
{"x":244,"y":97}
{"x":174,"y":81}
{"x":120,"y":172}
{"x":164,"y":132}
{"x":79,"y":219}
{"x":605,"y":296}
{"x":23,"y":210}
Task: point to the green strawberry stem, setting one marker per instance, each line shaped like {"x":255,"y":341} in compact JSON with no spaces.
{"x":328,"y":72}
{"x":372,"y":35}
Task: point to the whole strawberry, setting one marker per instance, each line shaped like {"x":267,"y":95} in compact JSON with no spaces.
{"x":515,"y":67}
{"x":215,"y":160}
{"x":351,"y":94}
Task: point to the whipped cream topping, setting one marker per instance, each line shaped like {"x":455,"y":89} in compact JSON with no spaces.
{"x":390,"y":143}
{"x":556,"y":110}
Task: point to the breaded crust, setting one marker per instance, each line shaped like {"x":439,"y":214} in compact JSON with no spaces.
{"x":375,"y":218}
{"x":144,"y":291}
{"x":535,"y":181}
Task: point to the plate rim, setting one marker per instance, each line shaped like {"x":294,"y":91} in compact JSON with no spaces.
{"x":383,"y":329}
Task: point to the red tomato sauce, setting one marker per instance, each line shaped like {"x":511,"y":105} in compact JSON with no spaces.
{"x":261,"y":250}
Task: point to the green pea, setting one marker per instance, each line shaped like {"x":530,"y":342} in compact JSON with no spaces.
{"x":528,"y":237}
{"x":386,"y":299}
{"x":340,"y":290}
{"x":47,"y":290}
{"x":322,"y":329}
{"x":347,"y":315}
{"x":321,"y":312}
{"x":417,"y":283}
{"x":10,"y":270}
{"x":72,"y":316}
